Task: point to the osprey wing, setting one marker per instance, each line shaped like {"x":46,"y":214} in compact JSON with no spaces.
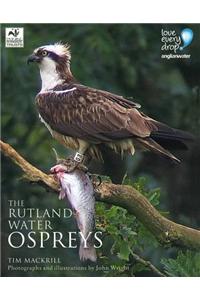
{"x":91,"y":114}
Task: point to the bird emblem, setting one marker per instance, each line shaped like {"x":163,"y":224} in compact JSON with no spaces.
{"x":14,"y":32}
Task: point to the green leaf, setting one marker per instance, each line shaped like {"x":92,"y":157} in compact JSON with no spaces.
{"x":185,"y":265}
{"x":124,"y":251}
{"x":127,"y":232}
{"x":138,"y":267}
{"x":154,"y":198}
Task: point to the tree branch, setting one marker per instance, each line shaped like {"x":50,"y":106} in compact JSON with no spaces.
{"x":147,"y":264}
{"x":167,"y":232}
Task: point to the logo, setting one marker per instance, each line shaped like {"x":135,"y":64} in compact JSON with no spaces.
{"x":14,"y":37}
{"x":173,"y":43}
{"x":187,"y":37}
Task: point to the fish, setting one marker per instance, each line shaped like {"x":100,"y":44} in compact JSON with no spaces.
{"x":77,"y":187}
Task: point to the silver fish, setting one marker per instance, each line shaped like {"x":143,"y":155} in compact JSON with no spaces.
{"x":78,"y":189}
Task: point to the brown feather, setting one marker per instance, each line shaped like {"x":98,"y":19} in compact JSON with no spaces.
{"x":74,"y":114}
{"x":95,"y":116}
{"x":150,"y":144}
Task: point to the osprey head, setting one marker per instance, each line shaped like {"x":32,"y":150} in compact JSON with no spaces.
{"x":54,"y":64}
{"x":58,"y":53}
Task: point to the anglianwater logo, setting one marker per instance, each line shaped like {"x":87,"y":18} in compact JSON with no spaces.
{"x":187,"y":37}
{"x":14,"y":37}
{"x":173,"y":43}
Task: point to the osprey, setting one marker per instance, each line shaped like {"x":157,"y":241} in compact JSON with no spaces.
{"x":83,"y":118}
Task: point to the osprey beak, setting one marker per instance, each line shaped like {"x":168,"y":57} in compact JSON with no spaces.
{"x":33,"y":58}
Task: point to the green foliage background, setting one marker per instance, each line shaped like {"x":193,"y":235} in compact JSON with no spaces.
{"x":124,"y":59}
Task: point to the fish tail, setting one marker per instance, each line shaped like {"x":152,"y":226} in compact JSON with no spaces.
{"x":87,"y":253}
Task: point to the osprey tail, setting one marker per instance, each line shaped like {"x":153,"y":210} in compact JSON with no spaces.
{"x":164,"y":138}
{"x":169,"y":137}
{"x":150,"y":144}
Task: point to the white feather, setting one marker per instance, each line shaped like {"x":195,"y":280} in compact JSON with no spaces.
{"x":58,"y":92}
{"x":58,"y":48}
{"x":49,"y":76}
{"x":47,"y":125}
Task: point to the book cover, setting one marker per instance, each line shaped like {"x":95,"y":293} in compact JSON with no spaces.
{"x":100,"y":150}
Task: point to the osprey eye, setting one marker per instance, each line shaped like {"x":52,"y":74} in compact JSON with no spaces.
{"x":44,"y":53}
